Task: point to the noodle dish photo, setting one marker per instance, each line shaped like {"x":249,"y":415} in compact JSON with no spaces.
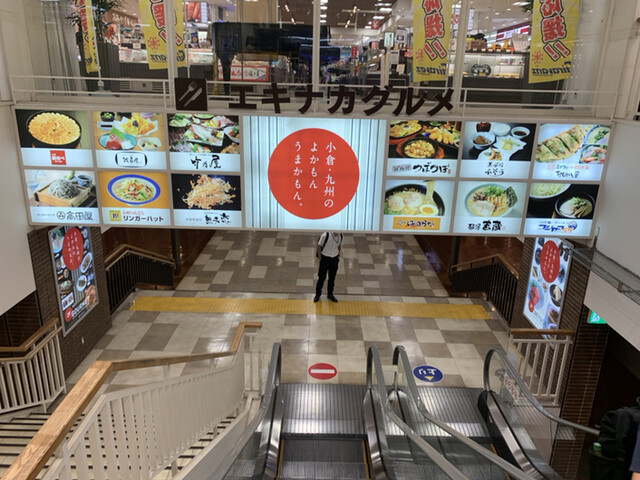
{"x":133,"y":189}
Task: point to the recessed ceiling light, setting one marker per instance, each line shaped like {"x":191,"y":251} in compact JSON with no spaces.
{"x":386,"y":9}
{"x":323,"y":15}
{"x":323,"y":7}
{"x":378,"y":17}
{"x":323,"y":21}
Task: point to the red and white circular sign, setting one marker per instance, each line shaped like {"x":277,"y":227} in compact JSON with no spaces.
{"x":313,"y":173}
{"x":322,"y":371}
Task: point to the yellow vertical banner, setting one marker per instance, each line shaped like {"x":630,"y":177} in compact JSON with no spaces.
{"x":431,"y":34}
{"x":154,"y":28}
{"x":88,"y":35}
{"x":553,"y":33}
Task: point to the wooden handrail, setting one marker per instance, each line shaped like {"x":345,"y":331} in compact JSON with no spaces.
{"x":33,"y":352}
{"x":126,"y":248}
{"x":52,"y":433}
{"x":536,"y":331}
{"x":31,"y":341}
{"x":484,"y":260}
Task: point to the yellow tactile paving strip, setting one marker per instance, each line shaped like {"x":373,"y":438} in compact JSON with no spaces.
{"x":307,"y":307}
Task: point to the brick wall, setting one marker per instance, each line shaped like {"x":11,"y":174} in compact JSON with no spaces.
{"x":582,"y":373}
{"x":81,"y":340}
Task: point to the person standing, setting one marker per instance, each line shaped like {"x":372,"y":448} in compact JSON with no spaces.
{"x":329,"y":249}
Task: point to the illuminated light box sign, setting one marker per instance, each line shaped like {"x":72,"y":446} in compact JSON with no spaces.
{"x":201,"y":200}
{"x":129,"y":140}
{"x":423,"y":148}
{"x":62,"y":196}
{"x":134,"y":199}
{"x":313,"y":173}
{"x":490,"y":207}
{"x":72,"y":258}
{"x":418,"y":205}
{"x":561,"y":209}
{"x":571,"y":152}
{"x":54,"y":139}
{"x":497,"y":150}
{"x":595,"y":319}
{"x":547,"y":281}
{"x":204,"y":142}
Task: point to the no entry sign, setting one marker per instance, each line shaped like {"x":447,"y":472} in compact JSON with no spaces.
{"x":322,"y":371}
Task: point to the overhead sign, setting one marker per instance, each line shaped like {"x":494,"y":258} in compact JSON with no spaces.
{"x":427,"y":373}
{"x":322,"y":371}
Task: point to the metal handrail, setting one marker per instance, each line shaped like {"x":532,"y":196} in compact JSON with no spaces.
{"x":374,"y":364}
{"x":400,"y":354}
{"x":525,"y":390}
{"x":125,"y":248}
{"x":498,"y":258}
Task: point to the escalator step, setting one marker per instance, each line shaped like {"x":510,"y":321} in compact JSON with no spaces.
{"x":241,"y":468}
{"x":322,"y":470}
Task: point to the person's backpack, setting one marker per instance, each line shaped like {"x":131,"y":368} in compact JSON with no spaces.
{"x":326,"y":239}
{"x":618,"y":433}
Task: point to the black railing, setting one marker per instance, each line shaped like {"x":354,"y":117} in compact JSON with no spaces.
{"x":129,"y":267}
{"x":491,"y":276}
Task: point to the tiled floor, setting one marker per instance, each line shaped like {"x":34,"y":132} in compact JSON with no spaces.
{"x":389,"y":295}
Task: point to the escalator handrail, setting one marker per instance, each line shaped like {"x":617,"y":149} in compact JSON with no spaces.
{"x":515,"y":376}
{"x":400,"y":354}
{"x":374,"y":364}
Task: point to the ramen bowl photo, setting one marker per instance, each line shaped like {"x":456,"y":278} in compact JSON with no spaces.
{"x":133,"y":189}
{"x":545,"y":191}
{"x":54,"y":130}
{"x":490,"y":200}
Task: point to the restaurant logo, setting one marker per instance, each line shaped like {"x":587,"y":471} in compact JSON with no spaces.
{"x":58,"y":157}
{"x":115,"y":215}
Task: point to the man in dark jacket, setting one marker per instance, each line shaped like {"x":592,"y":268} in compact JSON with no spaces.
{"x":329,"y":250}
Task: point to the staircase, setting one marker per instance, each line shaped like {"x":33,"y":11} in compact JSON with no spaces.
{"x":16,"y":432}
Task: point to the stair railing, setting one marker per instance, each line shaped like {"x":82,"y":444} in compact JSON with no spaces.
{"x":35,"y":378}
{"x":540,"y":358}
{"x":492,"y":276}
{"x":134,"y":433}
{"x":129,"y":266}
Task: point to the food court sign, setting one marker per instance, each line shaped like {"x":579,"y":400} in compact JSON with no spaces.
{"x":75,"y":280}
{"x":553,"y":33}
{"x":431,"y":32}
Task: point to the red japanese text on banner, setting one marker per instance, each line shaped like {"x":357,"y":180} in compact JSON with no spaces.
{"x":155,"y":32}
{"x":88,"y":35}
{"x":553,"y":33}
{"x":431,"y":34}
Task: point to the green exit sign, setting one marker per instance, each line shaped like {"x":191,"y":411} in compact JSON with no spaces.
{"x":595,"y":319}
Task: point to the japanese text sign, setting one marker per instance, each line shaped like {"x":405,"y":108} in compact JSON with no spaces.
{"x":431,"y":33}
{"x":88,"y":35}
{"x":553,"y":34}
{"x":153,"y":19}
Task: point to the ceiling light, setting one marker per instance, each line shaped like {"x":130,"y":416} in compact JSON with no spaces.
{"x":520,"y":4}
{"x":323,"y":7}
{"x":286,"y":7}
{"x":386,"y":9}
{"x":378,"y":17}
{"x":323,"y":21}
{"x":322,"y":2}
{"x":323,"y":15}
{"x":355,"y":9}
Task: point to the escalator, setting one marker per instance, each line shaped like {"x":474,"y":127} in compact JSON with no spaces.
{"x":329,"y":431}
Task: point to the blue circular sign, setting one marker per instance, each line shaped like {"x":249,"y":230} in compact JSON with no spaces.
{"x":427,"y":373}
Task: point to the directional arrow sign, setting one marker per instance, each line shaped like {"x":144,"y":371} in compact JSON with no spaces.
{"x":427,"y":373}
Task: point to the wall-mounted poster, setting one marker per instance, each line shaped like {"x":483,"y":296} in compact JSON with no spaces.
{"x":497,"y":150}
{"x":204,"y":142}
{"x":490,"y":208}
{"x":72,"y":258}
{"x":423,"y":148}
{"x":561,"y":209}
{"x":418,"y":205}
{"x":313,"y":173}
{"x":571,"y":152}
{"x":62,"y":196}
{"x":54,"y":138}
{"x":134,"y":198}
{"x":547,"y":280}
{"x":129,"y":140}
{"x":201,"y":200}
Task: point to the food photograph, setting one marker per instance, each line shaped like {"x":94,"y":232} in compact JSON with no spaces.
{"x":206,"y":192}
{"x":562,"y":200}
{"x":567,"y":151}
{"x":417,"y":139}
{"x":203,"y":133}
{"x":148,"y":190}
{"x":421,"y":200}
{"x":62,"y":130}
{"x":497,"y":149}
{"x":128,"y":131}
{"x":61,"y":188}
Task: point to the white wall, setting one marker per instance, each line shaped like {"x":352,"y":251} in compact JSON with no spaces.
{"x":16,"y":272}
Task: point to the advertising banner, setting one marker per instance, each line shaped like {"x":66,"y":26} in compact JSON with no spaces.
{"x":154,"y":28}
{"x":431,"y":34}
{"x":129,"y":140}
{"x":201,"y":200}
{"x":418,"y":206}
{"x":553,"y":32}
{"x":88,"y":35}
{"x":204,"y":142}
{"x":72,"y":258}
{"x":423,"y":148}
{"x":497,"y":150}
{"x":547,"y":280}
{"x":62,"y":197}
{"x":571,"y":152}
{"x":134,"y":199}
